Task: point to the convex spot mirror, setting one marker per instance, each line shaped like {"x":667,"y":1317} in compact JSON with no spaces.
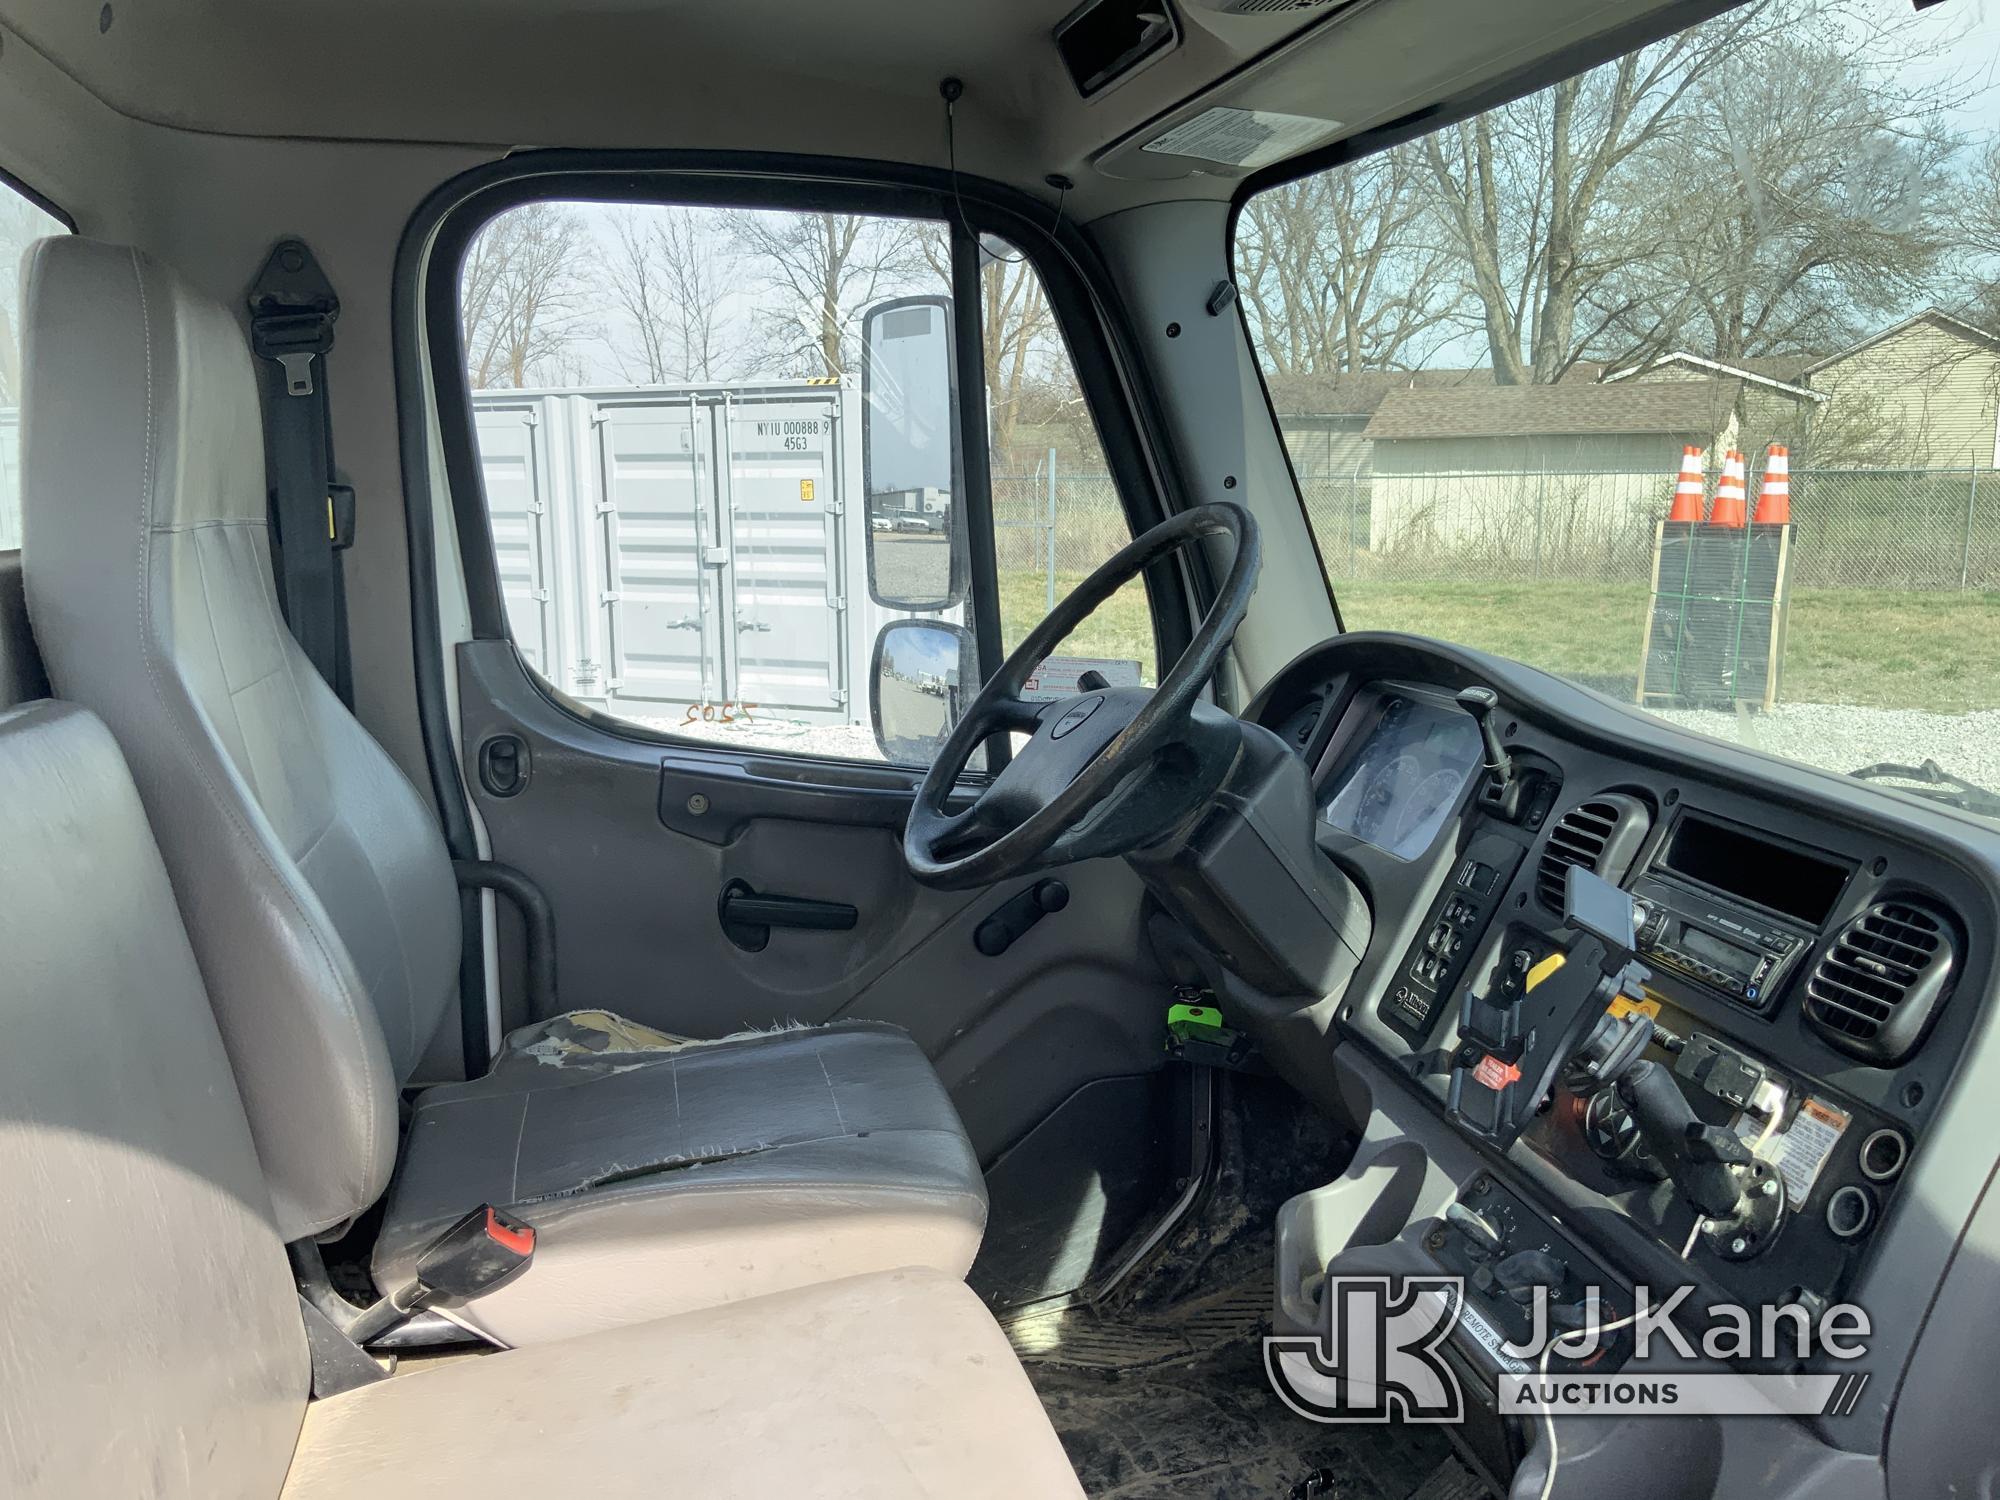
{"x":910,"y":467}
{"x":925,"y":672}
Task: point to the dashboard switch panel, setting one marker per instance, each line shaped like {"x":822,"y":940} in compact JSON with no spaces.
{"x":1436,"y":962}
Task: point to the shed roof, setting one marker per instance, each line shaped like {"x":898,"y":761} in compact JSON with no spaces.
{"x":1691,"y":408}
{"x":1359,"y":393}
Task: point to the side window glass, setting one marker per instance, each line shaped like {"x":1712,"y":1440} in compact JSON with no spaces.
{"x":669,"y":409}
{"x":21,"y":224}
{"x":1057,"y":513}
{"x":719,"y":459}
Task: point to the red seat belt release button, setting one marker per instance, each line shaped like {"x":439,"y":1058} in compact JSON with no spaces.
{"x":479,"y":1254}
{"x":509,"y":1233}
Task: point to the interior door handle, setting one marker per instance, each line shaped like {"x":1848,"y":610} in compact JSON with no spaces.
{"x":748,"y":917}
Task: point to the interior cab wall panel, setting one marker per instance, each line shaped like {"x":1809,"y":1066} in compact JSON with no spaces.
{"x":211,"y":206}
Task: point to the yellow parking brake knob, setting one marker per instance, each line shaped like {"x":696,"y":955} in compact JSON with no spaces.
{"x":1542,"y":971}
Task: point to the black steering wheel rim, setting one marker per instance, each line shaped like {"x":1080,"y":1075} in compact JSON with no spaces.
{"x":998,"y":707}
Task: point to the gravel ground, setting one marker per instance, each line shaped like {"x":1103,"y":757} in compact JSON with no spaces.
{"x":1842,"y":739}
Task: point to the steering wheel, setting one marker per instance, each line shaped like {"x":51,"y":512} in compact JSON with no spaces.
{"x":1105,"y":771}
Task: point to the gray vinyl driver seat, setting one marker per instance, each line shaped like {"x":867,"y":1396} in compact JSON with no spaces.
{"x":323,"y":910}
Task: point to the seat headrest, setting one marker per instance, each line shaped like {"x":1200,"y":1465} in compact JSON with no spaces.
{"x":158,"y":387}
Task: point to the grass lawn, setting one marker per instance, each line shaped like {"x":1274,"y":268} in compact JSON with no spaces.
{"x":1934,"y":651}
{"x":1122,"y":628}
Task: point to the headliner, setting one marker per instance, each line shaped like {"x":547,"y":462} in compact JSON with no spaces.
{"x":857,"y":78}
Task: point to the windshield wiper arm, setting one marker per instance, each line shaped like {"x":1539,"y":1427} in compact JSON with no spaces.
{"x":1936,"y":783}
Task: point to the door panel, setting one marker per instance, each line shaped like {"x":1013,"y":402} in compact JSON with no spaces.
{"x":661,"y":528}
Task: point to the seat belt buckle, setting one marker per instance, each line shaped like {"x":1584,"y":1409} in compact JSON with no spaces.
{"x":479,"y":1254}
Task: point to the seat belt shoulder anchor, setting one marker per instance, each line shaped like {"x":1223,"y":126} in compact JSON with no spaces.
{"x":292,"y":312}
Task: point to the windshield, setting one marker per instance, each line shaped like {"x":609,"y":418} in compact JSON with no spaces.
{"x":1680,"y":379}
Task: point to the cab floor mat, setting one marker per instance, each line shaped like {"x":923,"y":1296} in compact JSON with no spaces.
{"x":1211,"y":1428}
{"x":1089,"y":1339}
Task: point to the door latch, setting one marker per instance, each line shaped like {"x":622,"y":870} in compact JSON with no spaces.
{"x":503,"y":765}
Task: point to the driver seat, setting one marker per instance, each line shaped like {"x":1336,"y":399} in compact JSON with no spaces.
{"x":663,"y":1175}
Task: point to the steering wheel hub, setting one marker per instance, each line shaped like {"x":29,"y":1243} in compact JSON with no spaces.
{"x":1105,"y":771}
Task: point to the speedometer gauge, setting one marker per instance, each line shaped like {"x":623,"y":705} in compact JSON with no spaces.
{"x":1425,"y":805}
{"x":1397,"y":790}
{"x":1383,"y":797}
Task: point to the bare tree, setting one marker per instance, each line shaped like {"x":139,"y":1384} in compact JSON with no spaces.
{"x":1527,"y":193}
{"x":1022,"y":348}
{"x":1822,"y":199}
{"x":668,"y":270}
{"x":1979,"y":231}
{"x":523,"y":296}
{"x":1757,"y":184}
{"x":1346,"y":270}
{"x":823,"y":269}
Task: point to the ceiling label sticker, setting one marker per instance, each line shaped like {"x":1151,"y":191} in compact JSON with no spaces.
{"x":1245,"y":138}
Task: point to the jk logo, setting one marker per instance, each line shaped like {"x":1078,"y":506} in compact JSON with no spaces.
{"x":1375,"y":1358}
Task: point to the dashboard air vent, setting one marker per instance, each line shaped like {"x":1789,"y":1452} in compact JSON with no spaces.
{"x":1880,"y":985}
{"x":1603,"y":835}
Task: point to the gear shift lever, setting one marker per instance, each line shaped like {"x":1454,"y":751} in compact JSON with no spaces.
{"x":1505,"y":792}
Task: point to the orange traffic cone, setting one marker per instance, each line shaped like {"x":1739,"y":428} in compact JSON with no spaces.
{"x":1774,"y":496}
{"x":1728,"y":509}
{"x":1687,"y":489}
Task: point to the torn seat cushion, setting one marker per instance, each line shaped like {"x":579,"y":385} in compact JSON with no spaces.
{"x":664,"y":1177}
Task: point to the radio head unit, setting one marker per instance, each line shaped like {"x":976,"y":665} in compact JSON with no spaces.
{"x":1742,"y":954}
{"x":1732,"y":909}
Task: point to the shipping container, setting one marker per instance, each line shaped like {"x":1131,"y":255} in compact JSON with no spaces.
{"x":674,"y":552}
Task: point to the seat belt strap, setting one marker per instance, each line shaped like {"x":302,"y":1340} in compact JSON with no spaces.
{"x":292,"y":313}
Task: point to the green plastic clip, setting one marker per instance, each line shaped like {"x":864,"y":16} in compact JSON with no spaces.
{"x":1194,"y":1022}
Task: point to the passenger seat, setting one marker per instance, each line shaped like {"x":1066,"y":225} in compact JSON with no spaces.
{"x":322,"y":907}
{"x":153,"y":1342}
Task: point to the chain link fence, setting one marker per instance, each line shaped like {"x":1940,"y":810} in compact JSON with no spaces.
{"x":1921,"y":530}
{"x":1056,"y":525}
{"x":1917,"y":530}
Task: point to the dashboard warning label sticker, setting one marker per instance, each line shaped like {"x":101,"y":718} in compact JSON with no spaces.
{"x":1624,"y":1005}
{"x":1800,"y":1152}
{"x":1056,"y":678}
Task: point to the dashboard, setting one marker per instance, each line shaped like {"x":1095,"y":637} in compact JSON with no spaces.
{"x":1815,"y":959}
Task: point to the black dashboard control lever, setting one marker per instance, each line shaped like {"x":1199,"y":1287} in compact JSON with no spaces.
{"x":1502,"y":791}
{"x":1476,"y":1227}
{"x":1014,"y":916}
{"x":1509,"y":1053}
{"x":1520,"y":1273}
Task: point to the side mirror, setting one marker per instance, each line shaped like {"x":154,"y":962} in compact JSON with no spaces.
{"x":909,"y":455}
{"x":924,"y":674}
